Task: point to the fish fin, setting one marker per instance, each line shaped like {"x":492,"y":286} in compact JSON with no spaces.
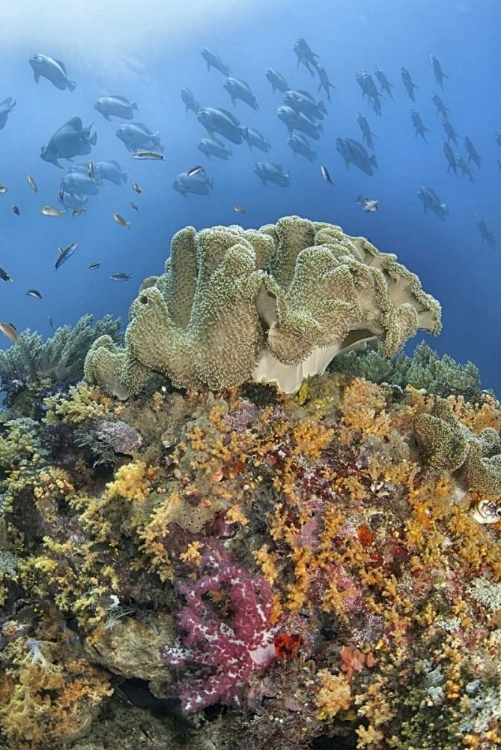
{"x":124,"y":176}
{"x":75,"y":123}
{"x":71,"y":85}
{"x":62,"y":65}
{"x":273,"y":90}
{"x":208,"y":68}
{"x":373,"y":161}
{"x":93,"y":139}
{"x":210,"y":181}
{"x":233,"y":101}
{"x":37,"y":76}
{"x":320,"y":127}
{"x":322,"y":107}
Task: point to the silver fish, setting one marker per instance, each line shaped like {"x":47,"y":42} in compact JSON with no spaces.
{"x":51,"y":322}
{"x":120,"y":276}
{"x":133,"y":205}
{"x":9,"y":330}
{"x":78,"y":210}
{"x":34,"y":293}
{"x":326,"y":175}
{"x":137,"y":188}
{"x":368,"y":204}
{"x":51,"y":211}
{"x":154,"y":155}
{"x":3,"y":189}
{"x":94,"y":266}
{"x":65,"y":253}
{"x":32,"y":183}
{"x":239,"y":209}
{"x":90,"y":170}
{"x":120,"y":220}
{"x":196,"y":170}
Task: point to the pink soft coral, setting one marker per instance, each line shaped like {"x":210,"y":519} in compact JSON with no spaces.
{"x":229,"y":649}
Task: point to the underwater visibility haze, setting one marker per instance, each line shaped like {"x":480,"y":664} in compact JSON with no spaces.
{"x":199,"y":200}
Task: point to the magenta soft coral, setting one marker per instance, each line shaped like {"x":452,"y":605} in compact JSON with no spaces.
{"x":228,"y":649}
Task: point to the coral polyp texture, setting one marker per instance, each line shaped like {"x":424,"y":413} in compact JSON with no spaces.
{"x":274,"y":304}
{"x":252,"y":569}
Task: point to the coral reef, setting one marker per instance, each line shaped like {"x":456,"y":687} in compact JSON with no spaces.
{"x":32,"y":369}
{"x":287,"y":570}
{"x":442,"y":376}
{"x":274,"y":304}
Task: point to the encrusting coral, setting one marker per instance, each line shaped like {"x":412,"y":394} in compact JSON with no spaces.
{"x":274,"y":304}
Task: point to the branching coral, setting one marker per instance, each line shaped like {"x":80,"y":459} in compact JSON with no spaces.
{"x":275,"y":304}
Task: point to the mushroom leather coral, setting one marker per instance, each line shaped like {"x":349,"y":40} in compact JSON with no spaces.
{"x":274,"y":304}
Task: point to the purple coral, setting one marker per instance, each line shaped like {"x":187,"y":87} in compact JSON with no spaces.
{"x":229,"y":648}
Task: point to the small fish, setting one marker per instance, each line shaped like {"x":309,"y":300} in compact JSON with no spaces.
{"x":65,"y":253}
{"x":94,"y":266}
{"x":121,"y":276}
{"x":137,"y":188}
{"x":34,"y":293}
{"x":16,"y":210}
{"x":120,"y":220}
{"x":60,"y":196}
{"x":32,"y":183}
{"x":485,"y":511}
{"x":148,"y":155}
{"x":368,"y":204}
{"x":99,"y":547}
{"x":239,"y":209}
{"x":3,"y":189}
{"x":51,"y":211}
{"x":78,"y":210}
{"x":196,"y":170}
{"x":133,"y":205}
{"x":51,"y":322}
{"x":9,"y":330}
{"x":90,"y":170}
{"x":326,"y":175}
{"x":5,"y":276}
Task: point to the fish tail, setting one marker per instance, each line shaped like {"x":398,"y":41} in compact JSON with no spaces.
{"x":134,"y":106}
{"x":124,"y":176}
{"x":71,"y":85}
{"x":93,"y":139}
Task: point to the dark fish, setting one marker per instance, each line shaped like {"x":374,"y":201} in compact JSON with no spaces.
{"x":3,"y":189}
{"x":196,"y":170}
{"x":16,"y":210}
{"x":326,"y":175}
{"x":34,"y":293}
{"x":120,"y":276}
{"x":65,"y":254}
{"x":5,"y":276}
{"x":94,"y":266}
{"x":9,"y":330}
{"x":78,"y":210}
{"x":99,"y":547}
{"x":239,"y":209}
{"x":133,"y":205}
{"x":90,"y":170}
{"x":137,"y":187}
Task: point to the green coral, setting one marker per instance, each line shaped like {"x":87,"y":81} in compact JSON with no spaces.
{"x":62,"y":356}
{"x":274,"y":304}
{"x":426,"y":370}
{"x":447,"y":445}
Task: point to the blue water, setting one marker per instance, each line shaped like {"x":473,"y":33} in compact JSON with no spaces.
{"x":149,"y":52}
